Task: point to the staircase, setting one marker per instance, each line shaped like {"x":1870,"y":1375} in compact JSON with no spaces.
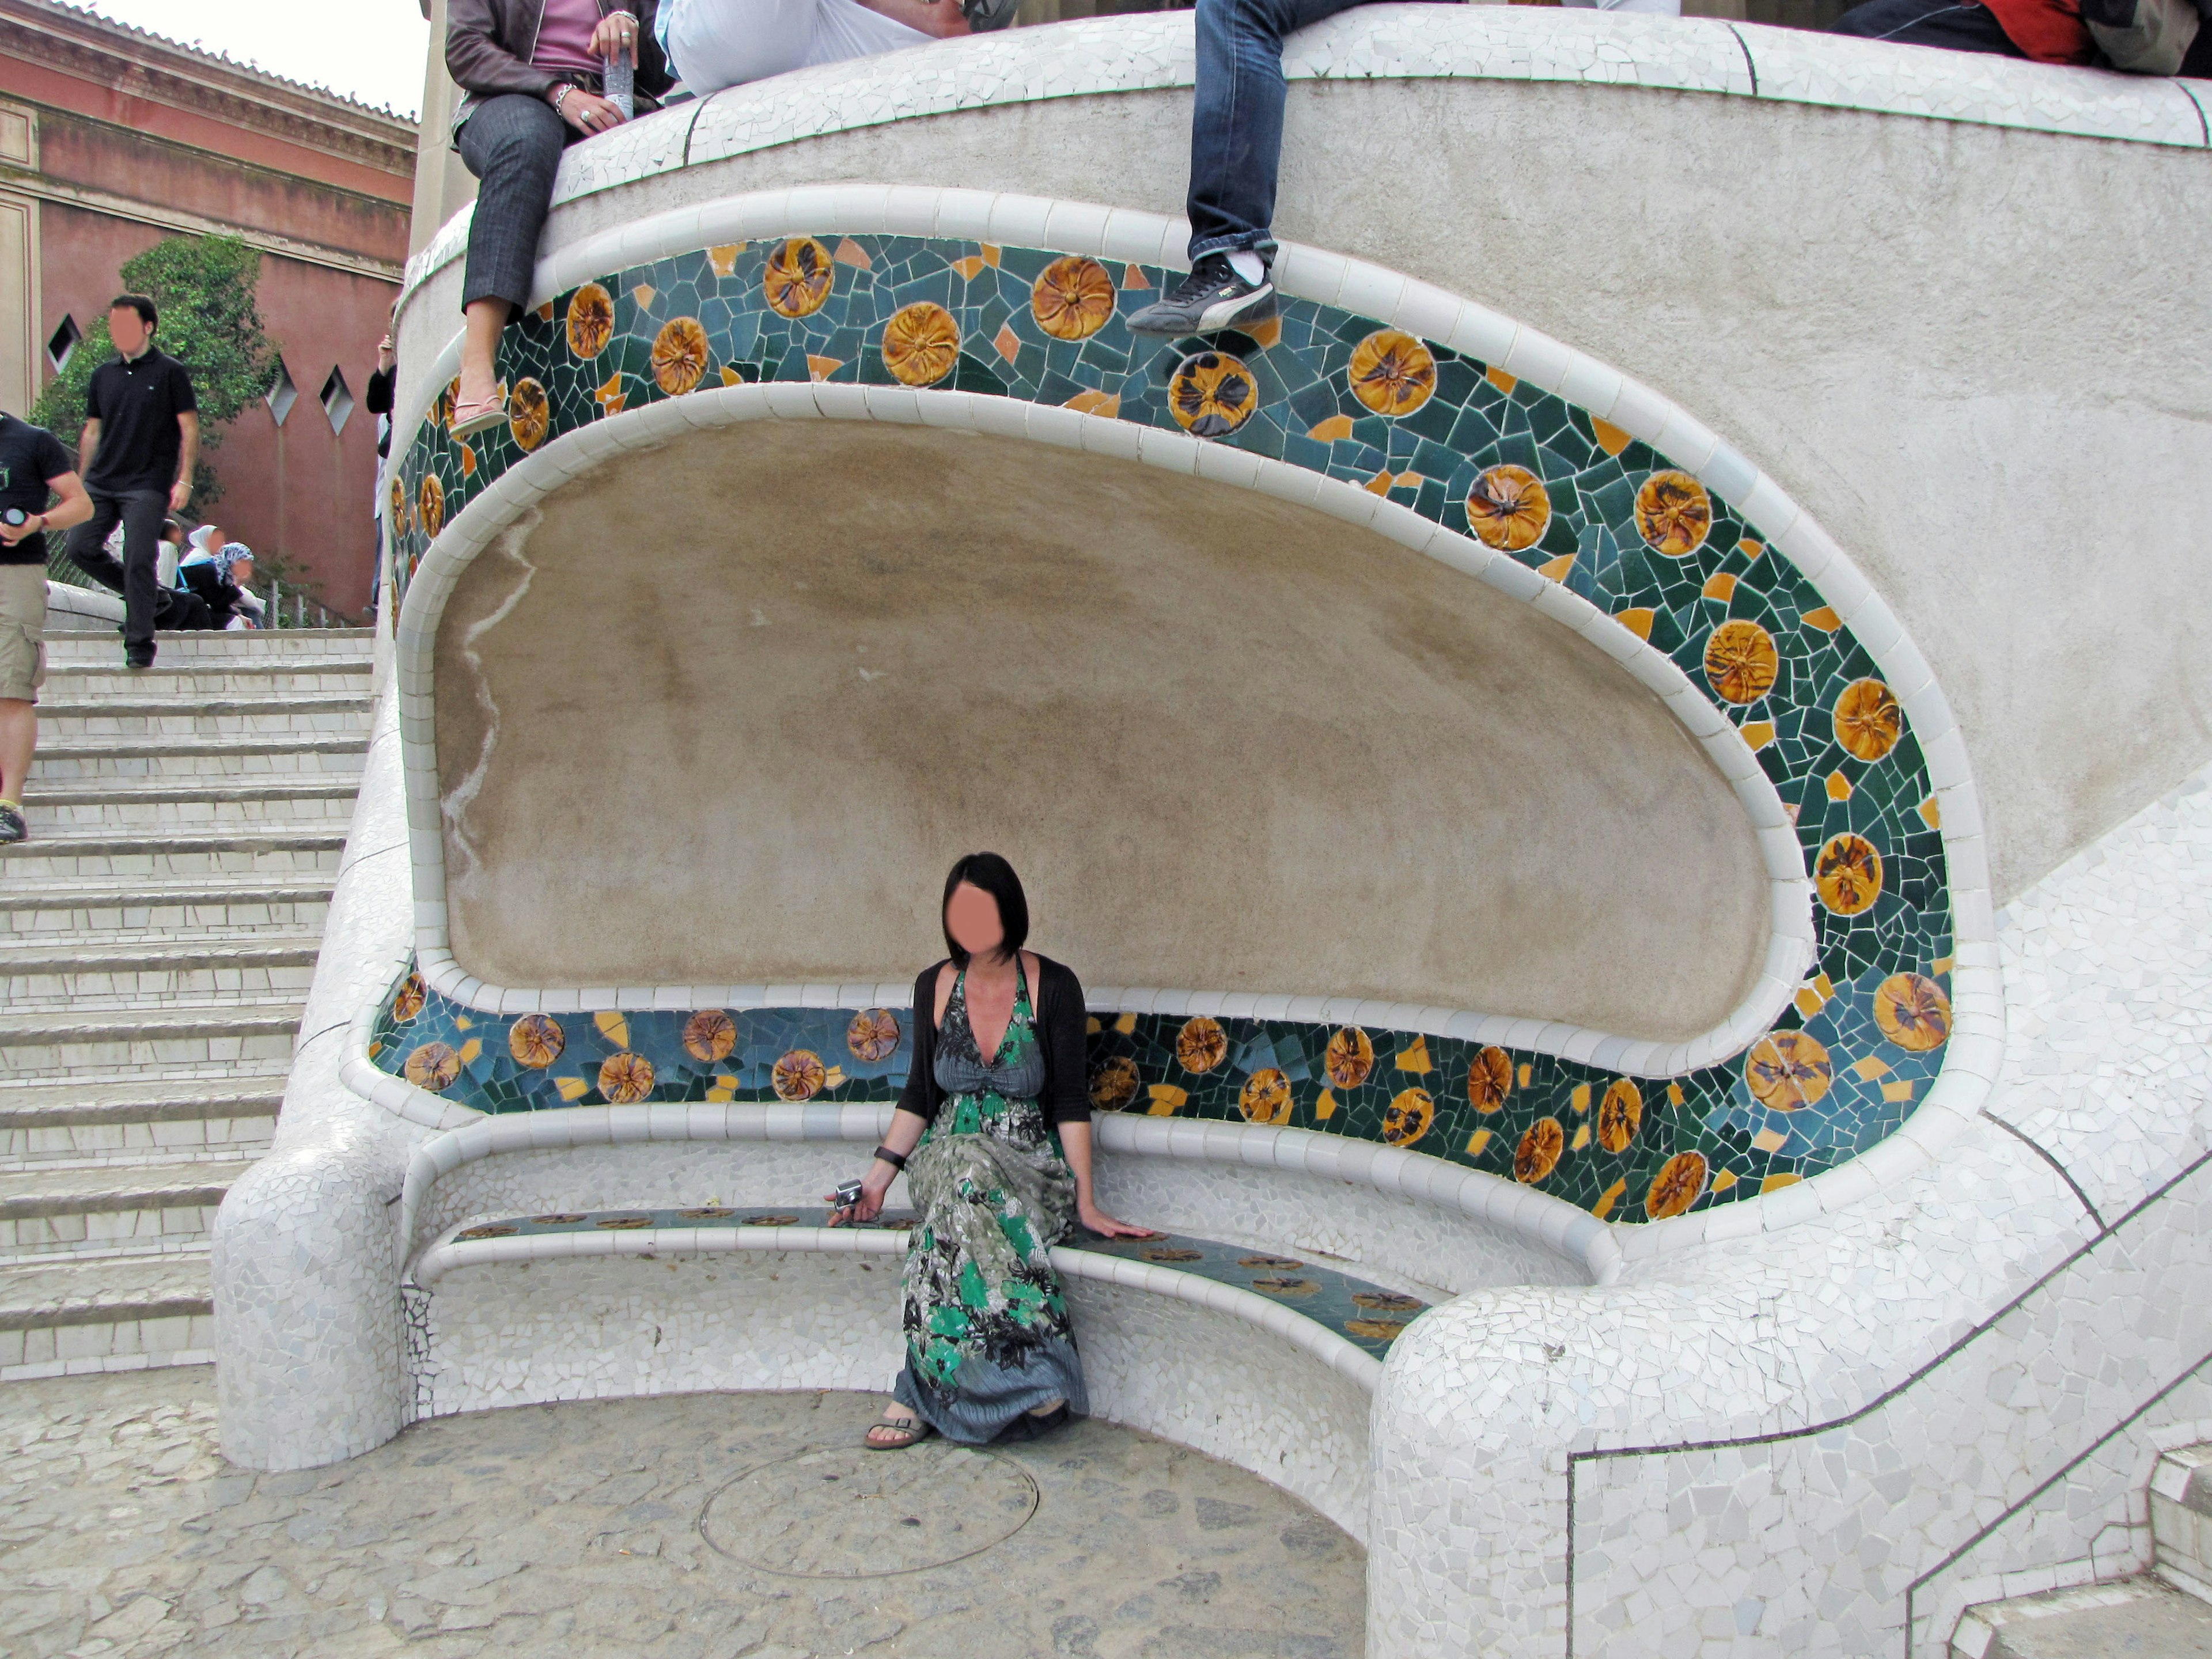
{"x":2166,"y":1613}
{"x":157,"y":934}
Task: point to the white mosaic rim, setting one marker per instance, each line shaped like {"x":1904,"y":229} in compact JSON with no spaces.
{"x":1336,"y":1351}
{"x":1976,"y":1049}
{"x":1154,"y":51}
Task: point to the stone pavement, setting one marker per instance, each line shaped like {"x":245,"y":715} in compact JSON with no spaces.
{"x":695,"y":1527}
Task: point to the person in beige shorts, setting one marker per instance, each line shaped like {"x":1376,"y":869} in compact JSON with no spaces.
{"x":32,"y":467}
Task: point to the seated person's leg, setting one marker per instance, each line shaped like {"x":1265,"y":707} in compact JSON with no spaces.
{"x":1960,"y":25}
{"x":513,"y":143}
{"x":1236,"y":150}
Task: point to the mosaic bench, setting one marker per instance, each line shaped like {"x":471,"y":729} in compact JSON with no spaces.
{"x":1347,"y":1324}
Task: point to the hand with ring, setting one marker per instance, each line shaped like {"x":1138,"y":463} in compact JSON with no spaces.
{"x":587,"y":112}
{"x":617,"y":33}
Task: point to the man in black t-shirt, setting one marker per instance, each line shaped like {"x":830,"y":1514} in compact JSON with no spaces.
{"x":33,"y":465}
{"x":142,"y":434}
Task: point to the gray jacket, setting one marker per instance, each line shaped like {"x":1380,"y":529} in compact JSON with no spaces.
{"x":489,"y":43}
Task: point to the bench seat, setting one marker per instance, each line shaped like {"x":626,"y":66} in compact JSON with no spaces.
{"x":1346,"y":1322}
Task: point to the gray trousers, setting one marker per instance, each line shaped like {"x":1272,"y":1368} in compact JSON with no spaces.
{"x":513,"y":143}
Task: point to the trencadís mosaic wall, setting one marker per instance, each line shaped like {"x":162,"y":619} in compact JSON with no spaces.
{"x":1461,"y":443}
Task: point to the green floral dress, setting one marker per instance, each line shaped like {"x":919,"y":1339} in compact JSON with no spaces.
{"x":987,"y":1329}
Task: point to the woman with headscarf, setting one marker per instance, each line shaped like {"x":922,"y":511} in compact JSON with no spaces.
{"x":219,"y":579}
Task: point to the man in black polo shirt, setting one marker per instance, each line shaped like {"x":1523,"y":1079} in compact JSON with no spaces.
{"x":32,"y":464}
{"x":142,"y":434}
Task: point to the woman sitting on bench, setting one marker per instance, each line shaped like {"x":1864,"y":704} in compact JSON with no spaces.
{"x":997,"y":1155}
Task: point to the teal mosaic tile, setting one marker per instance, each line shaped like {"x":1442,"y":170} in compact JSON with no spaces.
{"x":1460,"y":442}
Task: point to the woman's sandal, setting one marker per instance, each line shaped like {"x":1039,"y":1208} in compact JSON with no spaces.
{"x":912,"y":1430}
{"x":471,"y":418}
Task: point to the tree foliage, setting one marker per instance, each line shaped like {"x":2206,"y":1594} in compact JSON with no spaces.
{"x":204,"y":289}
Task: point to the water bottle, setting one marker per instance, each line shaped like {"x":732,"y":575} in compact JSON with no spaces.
{"x":622,"y":83}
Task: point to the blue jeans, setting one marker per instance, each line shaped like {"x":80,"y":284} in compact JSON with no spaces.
{"x":1236,"y":127}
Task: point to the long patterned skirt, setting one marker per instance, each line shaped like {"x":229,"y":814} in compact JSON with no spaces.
{"x":988,"y":1337}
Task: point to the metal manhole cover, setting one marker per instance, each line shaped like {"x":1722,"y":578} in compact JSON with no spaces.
{"x":847,"y":1512}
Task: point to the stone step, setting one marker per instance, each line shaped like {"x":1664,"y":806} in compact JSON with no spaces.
{"x":2181,"y":1519}
{"x":60,"y":1317}
{"x":55,"y":1044}
{"x":132,"y":1209}
{"x":138,"y":1120}
{"x":83,"y":857}
{"x":185,"y":805}
{"x":281,"y":676}
{"x":104,"y":649}
{"x":172,"y":969}
{"x":287,"y":904}
{"x":63,"y":721}
{"x":81,"y":760}
{"x":2135,"y":1616}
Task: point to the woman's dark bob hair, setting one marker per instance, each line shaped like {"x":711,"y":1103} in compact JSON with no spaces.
{"x":995,"y":876}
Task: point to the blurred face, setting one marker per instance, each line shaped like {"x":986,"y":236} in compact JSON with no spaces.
{"x":127,"y":330}
{"x":241,"y":572}
{"x":971,"y":917}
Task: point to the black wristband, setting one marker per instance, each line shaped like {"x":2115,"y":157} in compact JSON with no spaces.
{"x":897,"y":1160}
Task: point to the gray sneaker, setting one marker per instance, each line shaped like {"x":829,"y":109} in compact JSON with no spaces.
{"x":1212,"y":298}
{"x":12,"y":827}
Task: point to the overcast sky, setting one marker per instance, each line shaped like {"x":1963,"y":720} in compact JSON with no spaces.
{"x":370,"y":49}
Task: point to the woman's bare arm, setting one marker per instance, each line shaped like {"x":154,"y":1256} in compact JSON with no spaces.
{"x":904,"y":1135}
{"x":1075,"y":1142}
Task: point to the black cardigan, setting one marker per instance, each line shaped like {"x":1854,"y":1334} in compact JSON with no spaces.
{"x":1061,"y":1020}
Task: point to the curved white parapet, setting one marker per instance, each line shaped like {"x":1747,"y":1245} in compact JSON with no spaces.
{"x":1333,"y":1350}
{"x":1150,"y":52}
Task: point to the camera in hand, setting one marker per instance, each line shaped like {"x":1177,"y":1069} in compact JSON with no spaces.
{"x":14,"y":518}
{"x":848,"y":1194}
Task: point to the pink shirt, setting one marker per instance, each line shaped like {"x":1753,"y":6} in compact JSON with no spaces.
{"x":564,"y":37}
